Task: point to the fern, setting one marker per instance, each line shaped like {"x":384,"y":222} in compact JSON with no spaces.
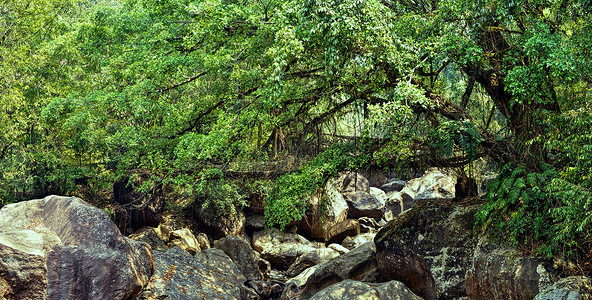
{"x":540,"y":209}
{"x":516,"y":213}
{"x":465,"y":134}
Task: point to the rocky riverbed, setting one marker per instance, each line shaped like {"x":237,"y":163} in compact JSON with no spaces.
{"x":380,"y":239}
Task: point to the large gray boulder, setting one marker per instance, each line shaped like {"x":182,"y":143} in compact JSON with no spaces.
{"x":324,"y":214}
{"x":210,"y":274}
{"x":435,"y":184}
{"x":64,"y":248}
{"x":362,"y":204}
{"x":273,"y":237}
{"x":218,"y":223}
{"x":356,"y":290}
{"x":245,"y":258}
{"x":359,"y":264}
{"x":429,"y":248}
{"x":285,"y":255}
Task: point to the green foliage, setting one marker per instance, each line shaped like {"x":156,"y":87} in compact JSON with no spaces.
{"x":572,"y":215}
{"x":464,"y":134}
{"x":517,"y":209}
{"x":290,"y":196}
{"x":224,"y":195}
{"x":540,"y":211}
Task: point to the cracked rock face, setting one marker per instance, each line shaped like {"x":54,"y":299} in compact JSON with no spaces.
{"x":429,"y":248}
{"x":64,"y":248}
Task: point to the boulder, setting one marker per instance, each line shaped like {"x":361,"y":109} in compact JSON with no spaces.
{"x":322,"y":215}
{"x":340,"y":249}
{"x":501,"y":273}
{"x":164,"y":232}
{"x":219,"y":224}
{"x":64,"y":248}
{"x":433,"y":185}
{"x":359,"y":264}
{"x":393,"y":185}
{"x":270,"y":238}
{"x":379,"y":194}
{"x":254,"y":222}
{"x":309,"y":259}
{"x":394,"y":290}
{"x":394,"y":205}
{"x":570,"y":288}
{"x":429,"y":248}
{"x":282,"y":256}
{"x":362,"y":204}
{"x":353,"y":242}
{"x":208,"y":275}
{"x":348,"y":182}
{"x":149,"y":236}
{"x":355,"y":290}
{"x":184,"y":239}
{"x":266,"y":289}
{"x":241,"y":253}
{"x":341,"y":230}
{"x":203,"y":241}
{"x":293,"y":286}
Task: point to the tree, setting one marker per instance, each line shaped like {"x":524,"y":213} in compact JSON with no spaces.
{"x":197,"y":91}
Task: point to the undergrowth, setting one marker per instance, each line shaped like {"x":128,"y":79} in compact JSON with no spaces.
{"x":537,"y":211}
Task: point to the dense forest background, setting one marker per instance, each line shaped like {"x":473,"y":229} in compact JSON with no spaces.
{"x":219,"y":100}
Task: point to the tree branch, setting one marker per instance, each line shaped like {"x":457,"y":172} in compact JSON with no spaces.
{"x":183,"y":82}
